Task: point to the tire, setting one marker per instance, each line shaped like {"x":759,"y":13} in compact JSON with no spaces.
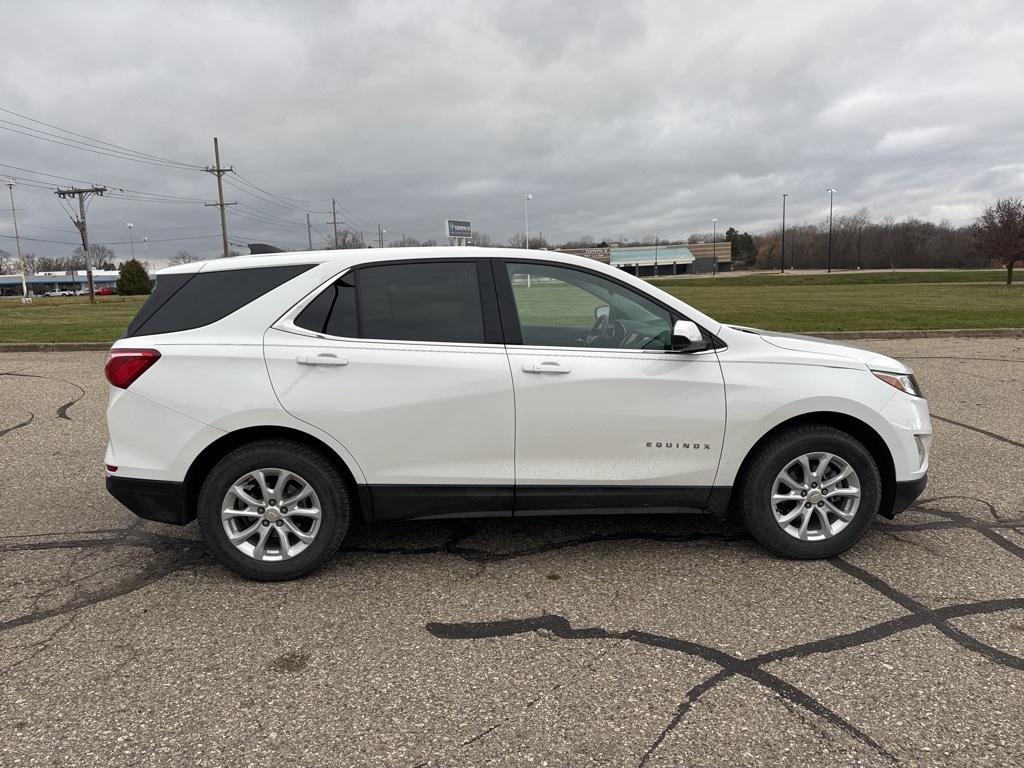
{"x":226,"y":503}
{"x":763,"y":479}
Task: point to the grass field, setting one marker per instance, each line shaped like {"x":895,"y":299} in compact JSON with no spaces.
{"x":774,"y":279}
{"x":69,"y":318}
{"x":837,"y":302}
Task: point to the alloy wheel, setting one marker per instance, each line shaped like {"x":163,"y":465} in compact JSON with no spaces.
{"x":271,"y":514}
{"x":815,"y":496}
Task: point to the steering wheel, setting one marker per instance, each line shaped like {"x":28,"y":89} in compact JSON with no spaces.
{"x":605,"y":330}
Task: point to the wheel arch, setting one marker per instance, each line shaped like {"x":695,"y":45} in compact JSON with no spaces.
{"x":862,"y":431}
{"x":222,"y":446}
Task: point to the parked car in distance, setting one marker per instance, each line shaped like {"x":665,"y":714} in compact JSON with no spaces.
{"x":279,"y":398}
{"x":104,"y":291}
{"x":59,"y":292}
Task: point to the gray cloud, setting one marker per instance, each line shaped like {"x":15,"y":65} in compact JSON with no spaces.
{"x":621,"y":118}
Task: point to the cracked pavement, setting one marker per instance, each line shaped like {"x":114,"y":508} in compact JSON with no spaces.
{"x":621,"y":641}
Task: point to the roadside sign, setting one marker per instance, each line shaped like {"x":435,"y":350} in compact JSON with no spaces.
{"x":458,"y":228}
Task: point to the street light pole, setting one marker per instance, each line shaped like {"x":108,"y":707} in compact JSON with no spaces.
{"x":131,"y":238}
{"x":714,"y":247}
{"x":655,"y":254}
{"x":145,"y":247}
{"x":526,"y":216}
{"x":782,"y":260}
{"x":831,"y":191}
{"x":17,"y":240}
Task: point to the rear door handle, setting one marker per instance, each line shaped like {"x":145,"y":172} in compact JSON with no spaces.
{"x":320,"y":360}
{"x":546,"y":366}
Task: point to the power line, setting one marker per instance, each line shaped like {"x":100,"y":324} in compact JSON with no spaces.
{"x":117,"y":187}
{"x":40,"y":240}
{"x":95,"y":141}
{"x":268,"y":222}
{"x":96,"y":151}
{"x":263,"y":199}
{"x":82,"y":194}
{"x":279,"y":197}
{"x":264,"y":214}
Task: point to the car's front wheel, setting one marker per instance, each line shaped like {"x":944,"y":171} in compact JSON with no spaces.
{"x":810,"y":492}
{"x":273,"y":510}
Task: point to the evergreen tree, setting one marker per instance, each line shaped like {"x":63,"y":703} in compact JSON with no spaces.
{"x":134,"y":280}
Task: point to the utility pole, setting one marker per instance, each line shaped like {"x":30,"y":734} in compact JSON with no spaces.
{"x":714,"y":247}
{"x":309,"y":232}
{"x":526,"y":216}
{"x":334,"y":219}
{"x":219,"y":172}
{"x":83,"y":230}
{"x":17,"y":241}
{"x":831,"y":191}
{"x":380,"y":236}
{"x":782,"y":261}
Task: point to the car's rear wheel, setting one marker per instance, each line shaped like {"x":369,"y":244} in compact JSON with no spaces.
{"x":273,"y":510}
{"x":810,"y":492}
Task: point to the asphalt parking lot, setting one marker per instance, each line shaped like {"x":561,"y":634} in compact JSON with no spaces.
{"x":644,"y":641}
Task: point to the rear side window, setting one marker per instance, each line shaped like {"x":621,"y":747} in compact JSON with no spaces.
{"x":333,"y":311}
{"x":432,"y":301}
{"x":184,"y":302}
{"x":421,"y":302}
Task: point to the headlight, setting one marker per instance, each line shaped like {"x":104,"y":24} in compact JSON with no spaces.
{"x":904,"y":382}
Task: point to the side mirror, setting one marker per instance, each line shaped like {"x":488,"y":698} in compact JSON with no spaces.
{"x":601,"y":313}
{"x":686,"y":337}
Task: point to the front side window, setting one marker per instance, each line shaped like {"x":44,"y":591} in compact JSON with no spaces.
{"x":430,"y":301}
{"x":563,"y":307}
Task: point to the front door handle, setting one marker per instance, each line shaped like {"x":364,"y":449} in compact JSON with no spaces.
{"x":546,"y":366}
{"x":320,"y":360}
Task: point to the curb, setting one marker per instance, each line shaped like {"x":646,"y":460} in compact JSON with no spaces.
{"x":63,"y":346}
{"x":938,"y":333}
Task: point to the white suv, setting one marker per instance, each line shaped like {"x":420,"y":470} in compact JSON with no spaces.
{"x":279,"y":398}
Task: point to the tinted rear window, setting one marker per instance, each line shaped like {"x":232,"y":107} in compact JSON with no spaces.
{"x":428,"y":301}
{"x":333,"y":311}
{"x":183,"y":302}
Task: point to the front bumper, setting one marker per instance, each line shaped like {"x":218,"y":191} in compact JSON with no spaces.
{"x":907,"y":493}
{"x":159,"y":500}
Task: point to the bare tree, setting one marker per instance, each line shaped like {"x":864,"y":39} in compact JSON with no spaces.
{"x":349,"y":238}
{"x":183,"y":257}
{"x":8,"y":263}
{"x":102,"y":257}
{"x":999,"y":233}
{"x":480,"y":238}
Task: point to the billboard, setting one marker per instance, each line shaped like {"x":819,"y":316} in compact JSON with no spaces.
{"x":457,"y":228}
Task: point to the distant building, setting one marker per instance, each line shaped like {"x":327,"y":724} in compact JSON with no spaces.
{"x":38,"y":284}
{"x":643,"y":260}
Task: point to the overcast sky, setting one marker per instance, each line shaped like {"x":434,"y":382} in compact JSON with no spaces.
{"x":622,"y":118}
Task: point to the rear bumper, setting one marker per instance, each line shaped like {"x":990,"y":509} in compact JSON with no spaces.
{"x":159,"y":500}
{"x":907,"y":492}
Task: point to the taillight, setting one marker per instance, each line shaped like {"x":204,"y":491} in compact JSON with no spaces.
{"x":124,"y":366}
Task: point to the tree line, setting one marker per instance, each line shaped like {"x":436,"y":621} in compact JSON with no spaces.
{"x":853,"y":241}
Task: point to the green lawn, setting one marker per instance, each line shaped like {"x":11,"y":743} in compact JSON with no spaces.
{"x":69,"y":318}
{"x":837,"y":302}
{"x":861,"y":307}
{"x":774,"y":279}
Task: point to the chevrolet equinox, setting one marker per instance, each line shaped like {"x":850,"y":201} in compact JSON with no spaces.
{"x":280,"y":398}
